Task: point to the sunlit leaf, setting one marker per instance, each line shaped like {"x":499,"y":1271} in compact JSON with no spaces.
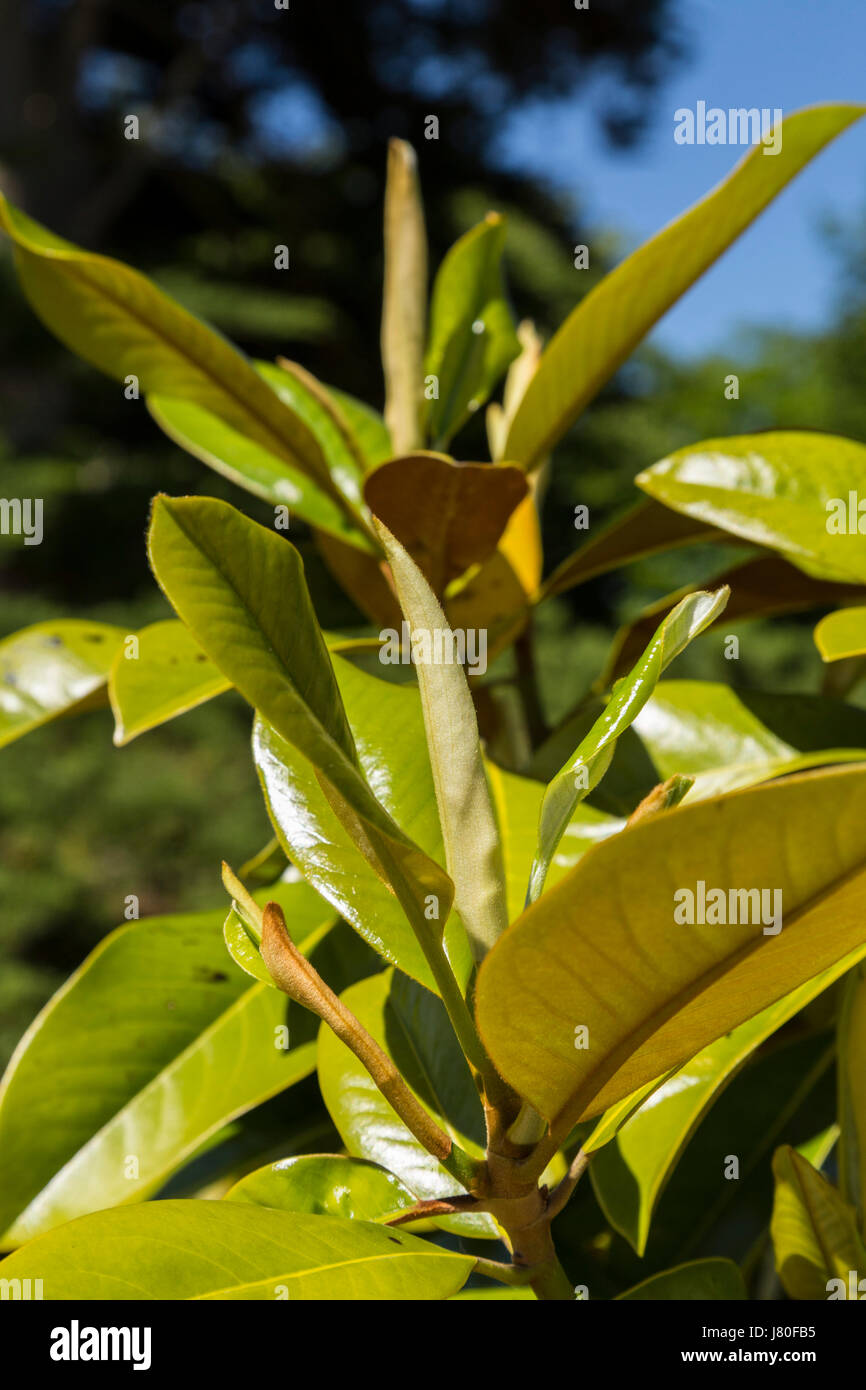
{"x":235,"y":1250}
{"x":51,"y":669}
{"x":610,"y":949}
{"x":788,"y":490}
{"x":814,"y":1231}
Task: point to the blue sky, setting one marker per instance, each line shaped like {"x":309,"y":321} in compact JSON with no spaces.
{"x":764,"y":53}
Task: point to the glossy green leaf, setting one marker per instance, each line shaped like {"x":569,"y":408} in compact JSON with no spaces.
{"x":698,"y":1280}
{"x":232,"y":1251}
{"x":233,"y":583}
{"x":51,"y":669}
{"x":517,"y":801}
{"x":388,"y":728}
{"x":308,"y":917}
{"x":404,"y":298}
{"x":612,"y":319}
{"x":495,"y":1295}
{"x":727,"y":738}
{"x":629,"y":1173}
{"x":368,"y":427}
{"x":473,"y":852}
{"x":166,"y":674}
{"x":325,"y":1185}
{"x":815,"y":1235}
{"x":473,"y":337}
{"x":842,"y":634}
{"x":413,"y":1028}
{"x":788,"y":490}
{"x":310,"y":401}
{"x":585,"y":769}
{"x":150,"y":1047}
{"x":852,"y":1093}
{"x":119,"y":321}
{"x":651,"y":991}
{"x":249,"y":464}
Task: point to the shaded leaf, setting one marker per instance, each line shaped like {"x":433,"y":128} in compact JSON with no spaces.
{"x":852,"y":1094}
{"x":701,"y":1279}
{"x":814,"y":1231}
{"x":842,"y":634}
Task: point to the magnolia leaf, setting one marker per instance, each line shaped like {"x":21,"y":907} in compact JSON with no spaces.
{"x":520,"y":373}
{"x":368,"y":428}
{"x":53,"y":668}
{"x":727,"y":738}
{"x":413,"y":1028}
{"x":644,"y":529}
{"x":164,"y":675}
{"x":234,"y":1251}
{"x":852,"y":1094}
{"x":473,"y":852}
{"x":308,"y":916}
{"x":612,"y":319}
{"x":472,"y":333}
{"x":496,"y":598}
{"x":249,"y":464}
{"x":117,"y":319}
{"x":466,"y":507}
{"x":517,"y":802}
{"x":760,"y":588}
{"x":232,"y":582}
{"x":697,"y":1280}
{"x":585,"y":769}
{"x":150,"y":1048}
{"x":815,"y":1236}
{"x":325,"y":1185}
{"x":574,"y":1025}
{"x":629,"y":1174}
{"x":788,"y":490}
{"x":388,"y":728}
{"x":842,"y":634}
{"x":311,"y":401}
{"x":404,"y":298}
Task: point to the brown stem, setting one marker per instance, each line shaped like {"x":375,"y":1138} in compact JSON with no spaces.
{"x":294,"y":974}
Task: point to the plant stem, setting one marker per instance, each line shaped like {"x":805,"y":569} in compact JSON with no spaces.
{"x":527,"y":685}
{"x":295,"y":976}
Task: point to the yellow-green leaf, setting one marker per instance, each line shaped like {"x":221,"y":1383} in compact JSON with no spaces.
{"x":842,"y":634}
{"x":404,"y":298}
{"x":851,"y":1072}
{"x":166,"y":674}
{"x":53,"y":668}
{"x":586,"y":767}
{"x":234,"y":1251}
{"x":473,"y":852}
{"x":604,"y":952}
{"x":815,"y":1236}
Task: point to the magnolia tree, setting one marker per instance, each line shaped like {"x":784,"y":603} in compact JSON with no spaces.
{"x":542,"y":989}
